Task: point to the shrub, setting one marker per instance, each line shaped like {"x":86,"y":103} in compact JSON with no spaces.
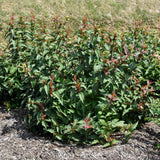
{"x":84,"y":88}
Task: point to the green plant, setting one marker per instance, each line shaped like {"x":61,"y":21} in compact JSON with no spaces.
{"x":118,"y":14}
{"x":158,"y":146}
{"x":80,"y":89}
{"x":155,"y":111}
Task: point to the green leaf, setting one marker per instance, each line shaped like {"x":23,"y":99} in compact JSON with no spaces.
{"x":107,"y":47}
{"x":158,"y":146}
{"x":97,"y":54}
{"x":46,"y":88}
{"x":14,"y":44}
{"x":119,"y":124}
{"x":126,"y":110}
{"x":102,"y":121}
{"x":51,"y":130}
{"x":57,"y":95}
{"x":50,"y":62}
{"x":115,"y":141}
{"x":90,"y":59}
{"x":95,"y":141}
{"x":78,"y":39}
{"x":67,"y":129}
{"x":59,"y":137}
{"x":106,"y":145}
{"x":127,"y":137}
{"x":148,"y":70}
{"x":133,"y":127}
{"x":60,"y":91}
{"x":97,"y":68}
{"x":44,"y":124}
{"x":75,"y":138}
{"x":99,"y":39}
{"x":13,"y":70}
{"x":81,"y":96}
{"x":12,"y":31}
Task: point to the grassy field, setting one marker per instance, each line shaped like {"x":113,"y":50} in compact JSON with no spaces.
{"x":116,"y":14}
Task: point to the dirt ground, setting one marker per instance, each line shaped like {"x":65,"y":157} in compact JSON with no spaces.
{"x":16,"y":143}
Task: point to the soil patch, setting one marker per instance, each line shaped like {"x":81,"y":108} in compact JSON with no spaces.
{"x":16,"y":143}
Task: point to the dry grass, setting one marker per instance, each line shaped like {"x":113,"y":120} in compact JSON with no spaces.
{"x":118,"y":14}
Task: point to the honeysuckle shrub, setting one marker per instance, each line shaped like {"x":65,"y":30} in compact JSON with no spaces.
{"x":83,"y":88}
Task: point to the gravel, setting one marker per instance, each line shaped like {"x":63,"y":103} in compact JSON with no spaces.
{"x":17,"y":143}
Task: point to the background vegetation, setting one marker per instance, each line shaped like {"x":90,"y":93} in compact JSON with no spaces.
{"x":114,"y":14}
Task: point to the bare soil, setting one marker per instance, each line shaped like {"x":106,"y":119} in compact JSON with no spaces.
{"x":17,"y":143}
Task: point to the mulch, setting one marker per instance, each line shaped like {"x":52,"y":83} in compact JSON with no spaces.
{"x":17,"y":143}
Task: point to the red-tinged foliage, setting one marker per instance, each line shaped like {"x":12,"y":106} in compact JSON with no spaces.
{"x":87,"y":126}
{"x":108,"y":76}
{"x":112,"y":97}
{"x":53,"y":76}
